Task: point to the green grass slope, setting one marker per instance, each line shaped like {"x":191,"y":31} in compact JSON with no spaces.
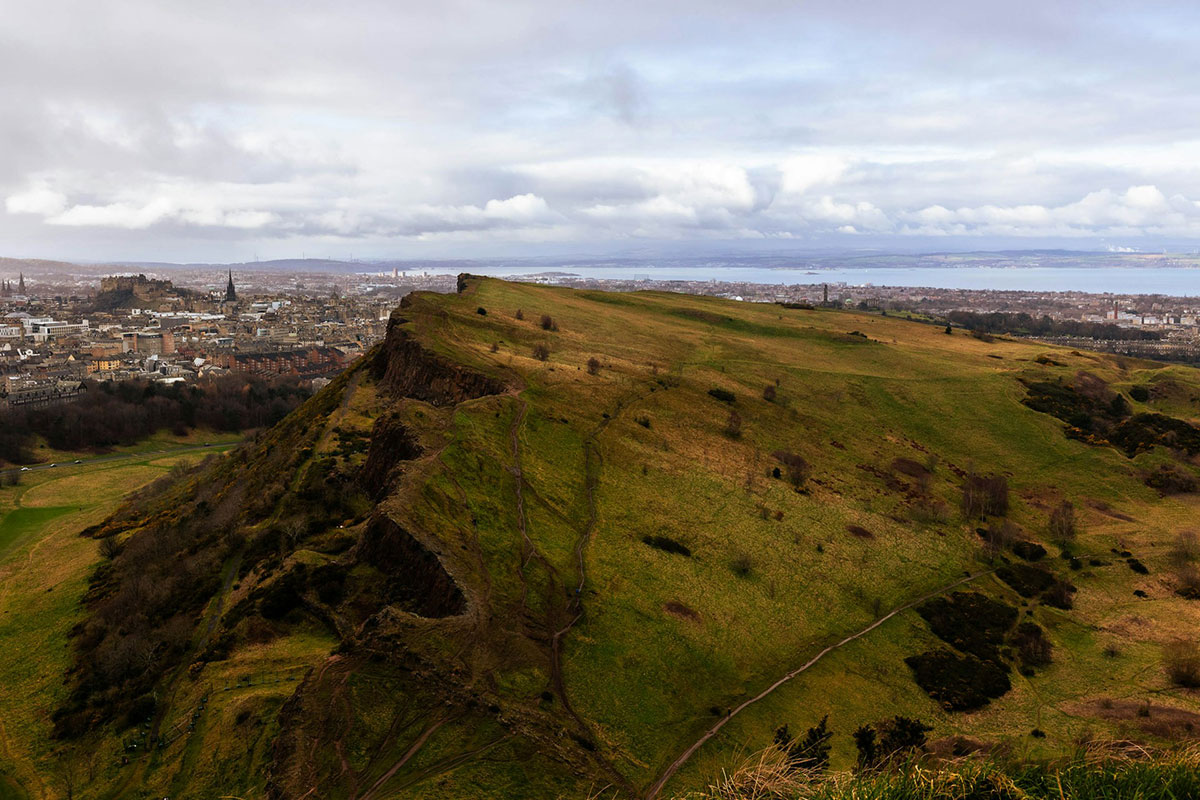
{"x":537,"y":545}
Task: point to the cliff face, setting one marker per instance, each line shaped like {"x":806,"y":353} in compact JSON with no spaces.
{"x":408,"y":369}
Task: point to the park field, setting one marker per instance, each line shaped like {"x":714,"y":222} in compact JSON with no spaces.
{"x":44,"y":566}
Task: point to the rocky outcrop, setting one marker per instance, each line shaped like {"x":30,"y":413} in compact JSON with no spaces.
{"x":417,"y":581}
{"x":408,"y":369}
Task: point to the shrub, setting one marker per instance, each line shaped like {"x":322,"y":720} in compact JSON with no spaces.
{"x":1062,"y":522}
{"x":593,"y":366}
{"x":1186,"y":548}
{"x":1181,"y":659}
{"x":1140,"y":393}
{"x":733,"y":425}
{"x":481,"y":311}
{"x":1026,"y":579}
{"x":548,"y":323}
{"x":958,"y":683}
{"x":1061,"y":594}
{"x":495,"y":347}
{"x":520,"y":314}
{"x":1137,"y":566}
{"x":541,"y":352}
{"x":667,"y":545}
{"x":742,"y":565}
{"x":984,"y":495}
{"x":1030,"y":551}
{"x":1171,"y":479}
{"x":970,"y":622}
{"x":722,"y":395}
{"x":1187,"y":582}
{"x":642,"y":420}
{"x":901,"y":735}
{"x":769,"y":393}
{"x":798,"y":469}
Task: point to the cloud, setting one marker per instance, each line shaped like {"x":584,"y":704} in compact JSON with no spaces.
{"x":165,"y":125}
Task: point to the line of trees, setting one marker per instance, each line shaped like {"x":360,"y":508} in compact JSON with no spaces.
{"x":1023,"y":324}
{"x":111,"y":414}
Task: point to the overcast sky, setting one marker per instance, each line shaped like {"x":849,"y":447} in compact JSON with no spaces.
{"x":220,"y":130}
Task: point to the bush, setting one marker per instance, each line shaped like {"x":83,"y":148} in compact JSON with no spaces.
{"x":1181,"y":659}
{"x":1026,"y":579}
{"x":1171,"y":479}
{"x":1140,"y":393}
{"x":541,"y":352}
{"x":722,"y":395}
{"x":798,"y":469}
{"x":985,"y":495}
{"x":667,"y":545}
{"x":970,"y":622}
{"x":548,"y":323}
{"x":1187,"y":582}
{"x":593,"y":366}
{"x":519,"y":314}
{"x":742,"y":565}
{"x":481,"y":311}
{"x":958,"y":683}
{"x":1029,"y":551}
{"x":769,"y":393}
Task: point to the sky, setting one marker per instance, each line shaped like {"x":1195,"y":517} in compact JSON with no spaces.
{"x":224,"y":131}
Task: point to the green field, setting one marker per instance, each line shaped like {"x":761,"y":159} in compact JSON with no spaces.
{"x":464,"y":570}
{"x":44,"y":565}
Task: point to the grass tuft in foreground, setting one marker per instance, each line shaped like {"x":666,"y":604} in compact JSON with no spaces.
{"x":1094,"y":774}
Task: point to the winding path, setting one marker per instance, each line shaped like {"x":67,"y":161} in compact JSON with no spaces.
{"x":674,"y":766}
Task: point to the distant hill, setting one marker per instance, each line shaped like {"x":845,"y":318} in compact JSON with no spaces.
{"x":541,"y":542}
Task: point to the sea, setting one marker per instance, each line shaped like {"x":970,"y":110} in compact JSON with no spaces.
{"x":1117,"y":280}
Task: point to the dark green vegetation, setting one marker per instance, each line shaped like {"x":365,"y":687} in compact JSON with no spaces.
{"x":533,"y":557}
{"x":112,"y":414}
{"x":1028,"y":325}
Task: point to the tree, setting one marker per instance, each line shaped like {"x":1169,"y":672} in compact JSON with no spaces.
{"x":1062,"y":522}
{"x":520,"y":314}
{"x":541,"y":352}
{"x":949,"y":330}
{"x":769,"y":393}
{"x":984,"y":495}
{"x":548,"y":323}
{"x":809,"y":753}
{"x":733,"y":426}
{"x":593,"y":366}
{"x":868,"y":749}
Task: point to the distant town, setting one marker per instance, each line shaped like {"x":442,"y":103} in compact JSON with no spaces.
{"x":62,"y":325}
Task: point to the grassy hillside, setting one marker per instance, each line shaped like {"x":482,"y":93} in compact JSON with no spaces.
{"x":545,"y":543}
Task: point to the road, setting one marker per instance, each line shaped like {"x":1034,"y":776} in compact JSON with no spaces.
{"x":217,"y":446}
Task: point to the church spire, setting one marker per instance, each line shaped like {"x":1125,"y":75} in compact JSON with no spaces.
{"x":230,"y":292}
{"x":21,"y":285}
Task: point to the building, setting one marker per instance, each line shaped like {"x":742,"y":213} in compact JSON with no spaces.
{"x":149,"y":342}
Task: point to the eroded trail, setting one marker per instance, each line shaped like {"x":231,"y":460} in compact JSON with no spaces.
{"x":674,"y":766}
